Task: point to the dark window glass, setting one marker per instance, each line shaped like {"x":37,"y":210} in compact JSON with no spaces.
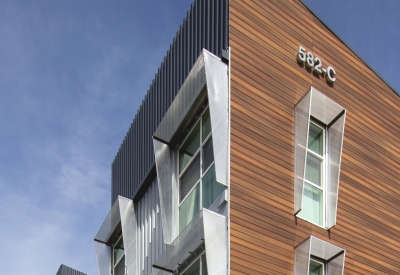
{"x":189,"y":178}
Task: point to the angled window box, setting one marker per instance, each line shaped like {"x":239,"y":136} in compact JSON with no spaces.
{"x":319,"y":131}
{"x":115,"y":242}
{"x":315,"y":256}
{"x":191,"y":153}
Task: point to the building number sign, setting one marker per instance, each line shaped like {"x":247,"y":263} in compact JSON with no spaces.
{"x":315,"y":64}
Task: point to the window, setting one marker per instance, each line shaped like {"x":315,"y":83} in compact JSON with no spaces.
{"x":313,"y":202}
{"x":197,"y":182}
{"x":198,"y":268}
{"x":118,"y":258}
{"x":319,"y":131}
{"x":316,"y":257}
{"x":317,"y":267}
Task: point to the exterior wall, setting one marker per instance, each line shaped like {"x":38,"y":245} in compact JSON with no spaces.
{"x":266,"y":83}
{"x":205,"y":26}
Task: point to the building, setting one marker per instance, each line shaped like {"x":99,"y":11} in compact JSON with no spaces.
{"x":65,"y":270}
{"x":263,"y":146}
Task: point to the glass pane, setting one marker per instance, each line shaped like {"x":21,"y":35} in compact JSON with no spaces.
{"x":120,"y":268}
{"x":204,"y":265}
{"x":189,"y":148}
{"x":206,"y":124}
{"x":312,"y":204}
{"x":316,"y":268}
{"x":211,"y":188}
{"x":208,"y":154}
{"x":194,"y":269}
{"x":314,"y":170}
{"x":118,"y":250}
{"x":189,"y":178}
{"x":189,"y":208}
{"x":316,"y":139}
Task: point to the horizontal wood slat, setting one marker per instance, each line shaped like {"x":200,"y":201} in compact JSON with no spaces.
{"x":266,"y":84}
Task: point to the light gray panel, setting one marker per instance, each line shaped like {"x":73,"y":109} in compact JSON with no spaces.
{"x":160,"y":272}
{"x":336,"y":265}
{"x":110,"y":223}
{"x":216,"y":242}
{"x":183,"y":102}
{"x":188,"y":240}
{"x":336,"y":133}
{"x":323,"y":108}
{"x":217,"y":90}
{"x":302,"y":258}
{"x":129,"y":226}
{"x":302,"y":121}
{"x":168,"y":190}
{"x":103,"y":258}
{"x":207,"y":226}
{"x":220,"y":204}
{"x":323,"y":249}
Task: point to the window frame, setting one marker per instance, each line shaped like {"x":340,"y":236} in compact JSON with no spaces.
{"x":121,"y":258}
{"x":200,"y":263}
{"x":198,"y":153}
{"x":324,"y":170}
{"x":319,"y":261}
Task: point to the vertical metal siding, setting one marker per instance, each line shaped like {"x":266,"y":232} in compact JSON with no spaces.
{"x":205,"y":26}
{"x":150,"y":238}
{"x":65,"y":270}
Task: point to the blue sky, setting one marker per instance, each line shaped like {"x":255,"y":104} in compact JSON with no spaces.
{"x":72,"y":75}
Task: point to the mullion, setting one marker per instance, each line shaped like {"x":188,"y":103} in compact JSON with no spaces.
{"x":309,"y":151}
{"x":314,"y":185}
{"x":190,"y":192}
{"x":190,"y":162}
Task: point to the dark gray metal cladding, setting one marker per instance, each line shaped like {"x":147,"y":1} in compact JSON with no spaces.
{"x":65,"y":270}
{"x":205,"y":26}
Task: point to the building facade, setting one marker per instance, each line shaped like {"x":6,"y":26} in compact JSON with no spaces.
{"x":263,"y":146}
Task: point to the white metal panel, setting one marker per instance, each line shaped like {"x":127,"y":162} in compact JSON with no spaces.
{"x":302,"y":258}
{"x":336,"y":133}
{"x":302,"y":121}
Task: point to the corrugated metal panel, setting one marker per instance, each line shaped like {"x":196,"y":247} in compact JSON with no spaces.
{"x":205,"y":26}
{"x":149,"y":235}
{"x":65,"y":270}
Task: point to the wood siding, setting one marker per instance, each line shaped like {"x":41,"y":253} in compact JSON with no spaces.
{"x":266,"y":83}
